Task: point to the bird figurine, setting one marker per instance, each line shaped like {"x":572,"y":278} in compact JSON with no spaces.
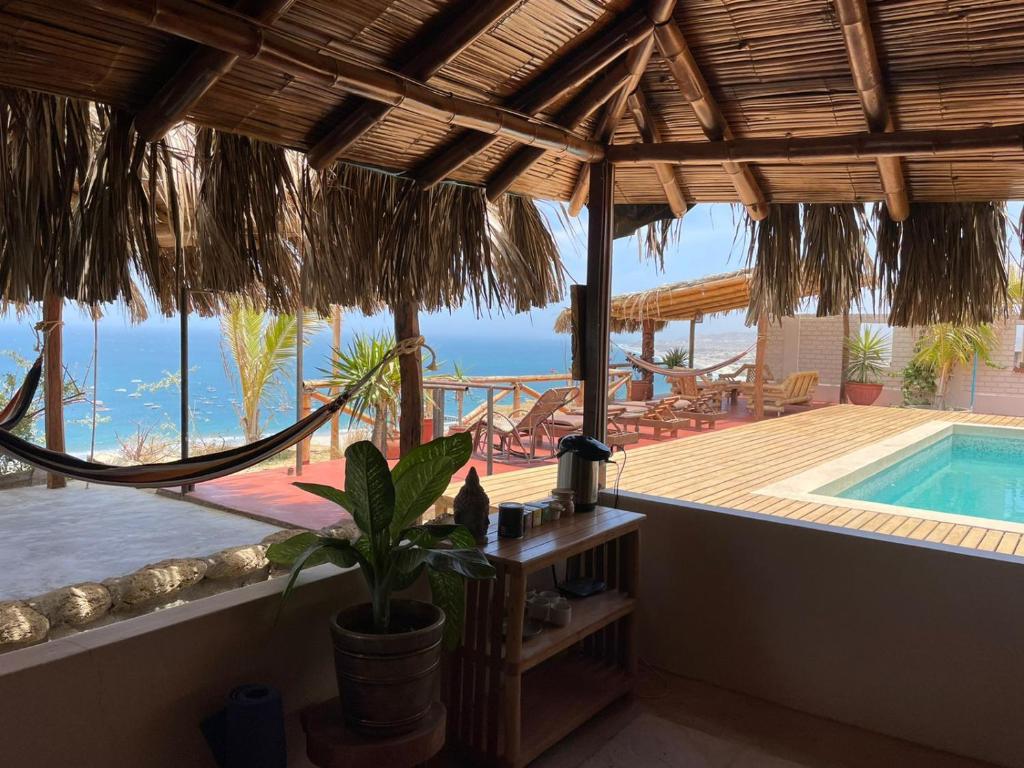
{"x":472,"y":507}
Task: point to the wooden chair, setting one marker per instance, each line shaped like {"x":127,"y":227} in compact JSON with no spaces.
{"x":526,"y":425}
{"x":689,"y":388}
{"x":745,"y":374}
{"x":797,"y":389}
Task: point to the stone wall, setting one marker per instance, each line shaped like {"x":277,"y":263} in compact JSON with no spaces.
{"x":808,"y":343}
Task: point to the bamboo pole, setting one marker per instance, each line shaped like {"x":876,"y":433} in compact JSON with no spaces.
{"x":444,"y":38}
{"x":201,"y":70}
{"x":410,"y":424}
{"x":869,"y":80}
{"x":848,"y":146}
{"x":693,"y":338}
{"x":565,"y":75}
{"x":220,"y":28}
{"x":694,"y":88}
{"x":598,"y":298}
{"x":53,"y":381}
{"x":640,"y":109}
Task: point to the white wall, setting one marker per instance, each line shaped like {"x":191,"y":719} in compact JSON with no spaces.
{"x":917,"y":641}
{"x":808,"y":343}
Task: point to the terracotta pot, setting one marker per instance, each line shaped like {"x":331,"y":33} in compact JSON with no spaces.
{"x":427,"y":433}
{"x":640,"y":390}
{"x":862,"y":394}
{"x":387,"y":682}
{"x":394,"y":449}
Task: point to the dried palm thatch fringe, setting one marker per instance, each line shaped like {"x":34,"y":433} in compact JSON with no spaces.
{"x":945,"y":263}
{"x":774,"y":254}
{"x":835,"y":263}
{"x":45,"y":148}
{"x":374,"y":239}
{"x":246,"y":210}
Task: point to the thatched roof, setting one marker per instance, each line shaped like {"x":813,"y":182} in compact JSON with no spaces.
{"x":707,"y":296}
{"x":762,"y":70}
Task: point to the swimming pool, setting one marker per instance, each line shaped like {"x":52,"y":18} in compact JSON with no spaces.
{"x":953,"y":472}
{"x":964,"y":474}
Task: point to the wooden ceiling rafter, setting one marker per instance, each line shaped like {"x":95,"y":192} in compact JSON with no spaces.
{"x":575,"y":68}
{"x":443,"y":39}
{"x":695,"y":90}
{"x":646,"y":124}
{"x":869,"y":80}
{"x":200,"y":72}
{"x":220,"y":28}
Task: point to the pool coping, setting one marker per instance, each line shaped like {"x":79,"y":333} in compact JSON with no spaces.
{"x":816,"y":484}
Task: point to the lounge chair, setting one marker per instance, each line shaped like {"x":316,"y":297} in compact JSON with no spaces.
{"x":797,"y":389}
{"x":689,"y":388}
{"x":617,"y":436}
{"x":521,"y":432}
{"x":745,"y":374}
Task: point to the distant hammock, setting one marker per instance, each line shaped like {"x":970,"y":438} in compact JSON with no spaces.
{"x":184,"y":472}
{"x":662,"y":371}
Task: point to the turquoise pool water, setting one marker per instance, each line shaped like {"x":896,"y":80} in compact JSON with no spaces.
{"x":973,"y":475}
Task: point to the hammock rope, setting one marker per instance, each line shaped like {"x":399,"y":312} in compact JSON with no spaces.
{"x":196,"y":469}
{"x":662,"y":371}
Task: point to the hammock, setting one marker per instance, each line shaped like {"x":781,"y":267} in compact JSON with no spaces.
{"x":652,"y":368}
{"x":184,"y":472}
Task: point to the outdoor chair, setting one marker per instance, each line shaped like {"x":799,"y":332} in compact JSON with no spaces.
{"x":745,"y":374}
{"x":797,"y":389}
{"x":617,"y":436}
{"x":521,"y":432}
{"x":689,"y":388}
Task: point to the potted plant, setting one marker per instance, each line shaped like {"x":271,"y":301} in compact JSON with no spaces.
{"x":868,"y":354}
{"x":387,"y":652}
{"x":919,"y":383}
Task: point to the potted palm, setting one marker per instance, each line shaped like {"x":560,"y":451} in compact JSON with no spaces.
{"x":868,"y":361}
{"x":387,"y":651}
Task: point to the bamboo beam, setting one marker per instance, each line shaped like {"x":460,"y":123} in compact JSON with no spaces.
{"x":846,"y":147}
{"x":202,"y":68}
{"x":571,"y":116}
{"x":563,"y":76}
{"x":598,"y":300}
{"x":870,"y":83}
{"x":694,"y":88}
{"x":604,"y":131}
{"x":220,"y":28}
{"x":53,"y":379}
{"x":430,"y":51}
{"x":639,"y":108}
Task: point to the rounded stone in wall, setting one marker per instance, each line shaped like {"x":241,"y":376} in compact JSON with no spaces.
{"x":155,"y":583}
{"x":20,"y":625}
{"x":278,"y":536}
{"x":74,"y":605}
{"x":238,"y":563}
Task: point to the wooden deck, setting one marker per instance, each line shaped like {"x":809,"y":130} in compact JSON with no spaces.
{"x":724,"y":468}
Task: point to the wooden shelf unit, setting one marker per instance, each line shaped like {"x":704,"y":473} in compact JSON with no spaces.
{"x":508,"y":699}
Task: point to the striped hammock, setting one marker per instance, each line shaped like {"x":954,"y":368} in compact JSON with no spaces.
{"x":662,"y":371}
{"x":169,"y":474}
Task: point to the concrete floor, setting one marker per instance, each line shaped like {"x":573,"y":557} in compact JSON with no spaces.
{"x":52,"y":538}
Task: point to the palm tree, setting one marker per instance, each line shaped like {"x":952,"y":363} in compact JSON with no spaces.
{"x":378,"y":396}
{"x":944,"y":346}
{"x":261,"y":347}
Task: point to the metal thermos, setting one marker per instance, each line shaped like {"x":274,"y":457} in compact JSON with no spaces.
{"x":580,"y":461}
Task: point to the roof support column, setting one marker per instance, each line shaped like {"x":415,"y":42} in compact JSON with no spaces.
{"x":410,"y":366}
{"x":53,"y":378}
{"x":597,"y":306}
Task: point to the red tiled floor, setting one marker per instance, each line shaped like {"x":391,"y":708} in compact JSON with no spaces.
{"x":270,"y":495}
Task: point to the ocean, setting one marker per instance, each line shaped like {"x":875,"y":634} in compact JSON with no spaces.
{"x":133,"y":361}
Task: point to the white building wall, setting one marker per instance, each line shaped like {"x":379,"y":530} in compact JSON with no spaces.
{"x":808,"y":343}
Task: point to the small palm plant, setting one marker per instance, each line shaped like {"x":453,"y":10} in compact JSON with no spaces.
{"x":392,"y":551}
{"x":262,"y":349}
{"x":378,"y":397}
{"x":869,"y":356}
{"x":675,"y":357}
{"x":944,"y":346}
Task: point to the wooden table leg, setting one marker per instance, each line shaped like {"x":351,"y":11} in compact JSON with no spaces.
{"x":513,"y":652}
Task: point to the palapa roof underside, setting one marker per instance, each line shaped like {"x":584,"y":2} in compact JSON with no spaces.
{"x":774,"y":68}
{"x":707,"y":296}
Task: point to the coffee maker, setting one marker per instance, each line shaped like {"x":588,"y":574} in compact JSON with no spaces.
{"x":580,"y":462}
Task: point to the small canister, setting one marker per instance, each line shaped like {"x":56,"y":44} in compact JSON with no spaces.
{"x":510,"y":520}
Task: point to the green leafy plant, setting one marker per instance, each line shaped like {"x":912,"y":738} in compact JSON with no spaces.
{"x":378,"y":398}
{"x":392,"y":551}
{"x":919,"y":383}
{"x":869,"y":356}
{"x":944,"y":346}
{"x":675,"y":357}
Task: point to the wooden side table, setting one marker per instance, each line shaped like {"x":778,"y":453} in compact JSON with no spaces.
{"x":509,"y":699}
{"x":332,"y":744}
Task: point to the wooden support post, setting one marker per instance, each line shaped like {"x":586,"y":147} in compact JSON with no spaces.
{"x":410,"y":423}
{"x":305,"y":447}
{"x":762,"y":343}
{"x":53,"y":368}
{"x":844,"y":360}
{"x":647,"y":353}
{"x":693,"y":338}
{"x":303,"y":403}
{"x":335,"y":345}
{"x":598,"y":301}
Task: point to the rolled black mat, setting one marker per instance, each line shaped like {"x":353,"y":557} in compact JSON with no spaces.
{"x":249,"y":731}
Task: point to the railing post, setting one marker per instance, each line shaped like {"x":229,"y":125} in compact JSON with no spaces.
{"x":438,"y":415}
{"x":305,"y":410}
{"x":490,"y":430}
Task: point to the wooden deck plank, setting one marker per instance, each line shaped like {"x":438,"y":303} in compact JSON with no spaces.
{"x":724,"y":468}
